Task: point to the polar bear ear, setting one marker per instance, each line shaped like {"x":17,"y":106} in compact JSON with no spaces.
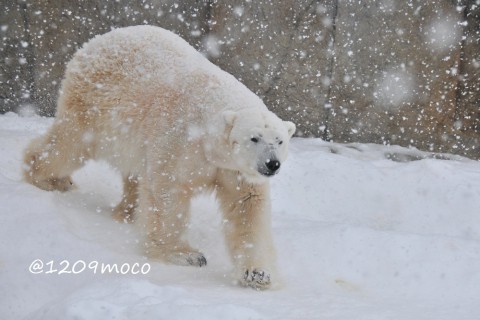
{"x":290,"y":127}
{"x":229,"y":117}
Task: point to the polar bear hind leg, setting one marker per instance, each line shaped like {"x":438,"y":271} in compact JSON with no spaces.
{"x":124,"y":211}
{"x":51,"y":159}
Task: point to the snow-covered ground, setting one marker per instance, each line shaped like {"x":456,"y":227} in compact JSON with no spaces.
{"x":358,"y":235}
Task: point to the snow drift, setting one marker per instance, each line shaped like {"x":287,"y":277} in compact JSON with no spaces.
{"x":359,"y":236}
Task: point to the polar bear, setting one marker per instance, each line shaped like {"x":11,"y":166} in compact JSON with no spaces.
{"x":173,"y":124}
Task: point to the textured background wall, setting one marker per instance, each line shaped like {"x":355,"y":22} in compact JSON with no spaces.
{"x":383,"y":71}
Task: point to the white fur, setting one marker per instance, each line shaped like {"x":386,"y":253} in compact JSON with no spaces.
{"x":173,"y":124}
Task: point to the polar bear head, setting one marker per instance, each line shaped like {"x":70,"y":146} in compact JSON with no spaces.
{"x":257,"y":142}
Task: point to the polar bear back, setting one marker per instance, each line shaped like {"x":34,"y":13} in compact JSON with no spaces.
{"x":145,"y":67}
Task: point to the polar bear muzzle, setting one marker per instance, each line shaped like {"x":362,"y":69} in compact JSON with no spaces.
{"x":269,"y":168}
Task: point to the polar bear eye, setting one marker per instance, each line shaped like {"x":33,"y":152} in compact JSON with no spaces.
{"x":280,"y":142}
{"x":255,"y":140}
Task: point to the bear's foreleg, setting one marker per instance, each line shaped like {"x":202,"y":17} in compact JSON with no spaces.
{"x":163,"y":214}
{"x":246,"y":209}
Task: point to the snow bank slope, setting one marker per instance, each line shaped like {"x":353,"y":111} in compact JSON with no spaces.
{"x":358,"y":237}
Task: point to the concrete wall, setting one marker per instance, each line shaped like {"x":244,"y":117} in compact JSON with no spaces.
{"x":383,"y":71}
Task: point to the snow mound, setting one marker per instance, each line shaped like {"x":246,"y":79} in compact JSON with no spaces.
{"x":362,"y":232}
{"x":131,"y":300}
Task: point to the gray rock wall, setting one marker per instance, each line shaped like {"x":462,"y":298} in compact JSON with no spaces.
{"x":39,"y":38}
{"x":393,"y":79}
{"x":383,"y":71}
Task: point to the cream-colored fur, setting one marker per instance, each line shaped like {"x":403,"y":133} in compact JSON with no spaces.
{"x":173,"y":124}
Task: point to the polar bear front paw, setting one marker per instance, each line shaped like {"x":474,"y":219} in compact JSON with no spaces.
{"x":256,"y":279}
{"x":51,"y":184}
{"x":181,"y":255}
{"x":195,"y":259}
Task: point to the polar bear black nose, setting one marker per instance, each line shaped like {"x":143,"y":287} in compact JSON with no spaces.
{"x":273,"y":165}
